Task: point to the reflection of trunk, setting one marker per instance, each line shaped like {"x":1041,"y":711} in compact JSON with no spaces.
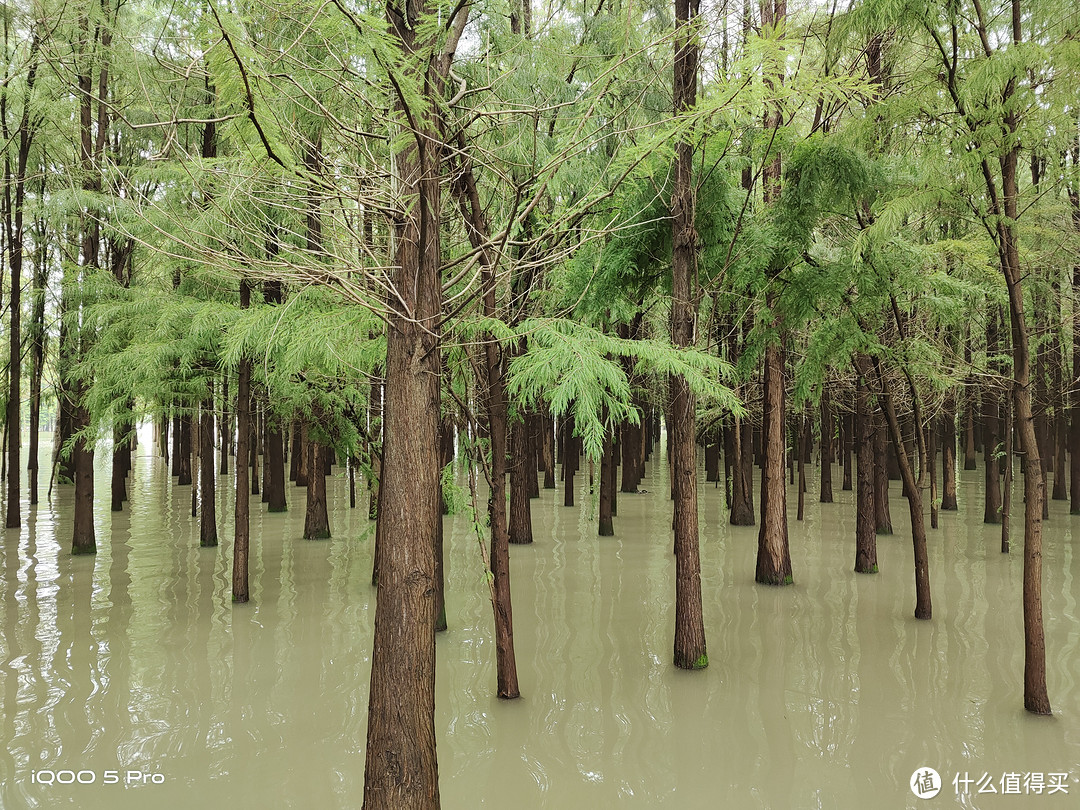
{"x":241,"y":533}
{"x":207,"y":508}
{"x":865,"y":512}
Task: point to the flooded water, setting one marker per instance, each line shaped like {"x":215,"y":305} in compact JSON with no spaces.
{"x":133,"y":669}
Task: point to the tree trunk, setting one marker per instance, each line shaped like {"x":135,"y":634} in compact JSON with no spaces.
{"x":846,"y":447}
{"x":605,"y":526}
{"x":316,"y":520}
{"x":826,"y":494}
{"x":881,"y":479}
{"x":923,"y":608}
{"x":774,"y":555}
{"x":865,"y":511}
{"x":184,"y":461}
{"x":224,"y":426}
{"x":948,"y":457}
{"x":401,"y":769}
{"x":274,"y":494}
{"x":690,"y":650}
{"x":241,"y":531}
{"x":208,"y":535}
{"x":521,"y":467}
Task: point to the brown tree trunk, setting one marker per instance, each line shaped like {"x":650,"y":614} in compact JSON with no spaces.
{"x":207,"y":508}
{"x":991,"y":433}
{"x":401,"y":769}
{"x":521,"y":467}
{"x":948,"y":457}
{"x":923,"y":607}
{"x":241,"y":530}
{"x":274,"y":492}
{"x":846,"y":448}
{"x":224,"y":427}
{"x":118,"y":479}
{"x":774,"y":555}
{"x":865,"y":511}
{"x":826,"y":494}
{"x":605,"y":525}
{"x":184,"y":460}
{"x":316,"y":520}
{"x":570,"y":462}
{"x":881,"y":479}
{"x":83,"y":538}
{"x":804,"y":441}
{"x":690,"y":650}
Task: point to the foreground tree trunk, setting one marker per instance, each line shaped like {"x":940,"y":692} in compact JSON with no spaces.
{"x":400,"y":768}
{"x":690,"y":650}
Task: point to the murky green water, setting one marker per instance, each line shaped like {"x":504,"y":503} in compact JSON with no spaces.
{"x":826,"y":694}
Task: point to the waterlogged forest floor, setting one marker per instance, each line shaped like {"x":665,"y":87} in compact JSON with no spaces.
{"x":134,"y":670}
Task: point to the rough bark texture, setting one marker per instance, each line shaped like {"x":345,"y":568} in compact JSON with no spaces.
{"x":401,"y":769}
{"x":316,"y":520}
{"x":521,"y":467}
{"x":83,"y":540}
{"x":690,"y":652}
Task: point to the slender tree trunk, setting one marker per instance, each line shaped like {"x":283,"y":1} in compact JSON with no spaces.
{"x":881,"y":479}
{"x":865,"y":511}
{"x":605,"y":526}
{"x":846,"y":448}
{"x":804,"y":440}
{"x":991,"y":433}
{"x":184,"y":461}
{"x":570,"y":462}
{"x":923,"y":608}
{"x":208,"y":535}
{"x":690,"y":649}
{"x":826,"y":494}
{"x":948,"y":457}
{"x":316,"y":519}
{"x":241,"y":531}
{"x":224,"y":426}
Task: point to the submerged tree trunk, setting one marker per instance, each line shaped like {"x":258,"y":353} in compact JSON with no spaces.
{"x":826,"y":494}
{"x":316,"y":519}
{"x":241,"y":531}
{"x":605,"y":528}
{"x":208,"y":535}
{"x":521,"y":467}
{"x":690,"y":651}
{"x":948,"y":457}
{"x":400,"y":768}
{"x":923,"y":607}
{"x":865,"y":511}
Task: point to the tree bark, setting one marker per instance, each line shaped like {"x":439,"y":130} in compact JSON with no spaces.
{"x":316,"y":520}
{"x":241,"y":530}
{"x":865,"y":511}
{"x":208,"y":535}
{"x":826,"y":494}
{"x":948,"y":457}
{"x":690,"y":649}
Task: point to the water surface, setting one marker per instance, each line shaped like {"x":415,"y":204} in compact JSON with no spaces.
{"x":824,"y":694}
